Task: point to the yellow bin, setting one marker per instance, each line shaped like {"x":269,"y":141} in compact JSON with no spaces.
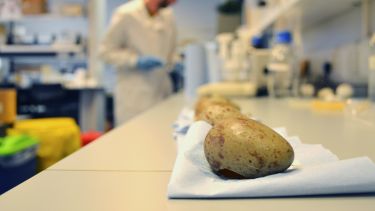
{"x":58,"y":138}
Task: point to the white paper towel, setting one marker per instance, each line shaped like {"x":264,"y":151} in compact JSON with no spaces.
{"x":195,"y":69}
{"x":182,"y":124}
{"x":316,"y":172}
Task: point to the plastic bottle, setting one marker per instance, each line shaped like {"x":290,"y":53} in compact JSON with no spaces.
{"x":281,"y":66}
{"x":239,"y":57}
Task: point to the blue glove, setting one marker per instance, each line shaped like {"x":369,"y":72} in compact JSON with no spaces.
{"x":147,"y":63}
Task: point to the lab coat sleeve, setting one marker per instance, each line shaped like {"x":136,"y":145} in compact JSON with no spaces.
{"x":113,"y":49}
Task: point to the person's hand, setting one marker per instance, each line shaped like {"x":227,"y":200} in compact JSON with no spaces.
{"x":147,"y":63}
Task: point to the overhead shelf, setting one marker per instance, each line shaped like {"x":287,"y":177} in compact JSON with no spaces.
{"x":34,"y":50}
{"x":46,"y":16}
{"x":312,"y":12}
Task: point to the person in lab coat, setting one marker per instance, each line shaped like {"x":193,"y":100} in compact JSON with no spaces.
{"x":140,"y":43}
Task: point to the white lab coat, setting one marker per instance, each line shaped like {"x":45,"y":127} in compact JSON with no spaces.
{"x":133,"y":33}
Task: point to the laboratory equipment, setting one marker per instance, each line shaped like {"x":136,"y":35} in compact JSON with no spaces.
{"x":344,"y":91}
{"x":325,"y":79}
{"x":228,"y":89}
{"x":259,"y":58}
{"x":229,"y":65}
{"x":307,"y":90}
{"x":224,"y":41}
{"x":229,"y":16}
{"x":281,"y":66}
{"x":233,"y":54}
{"x":230,"y":68}
{"x":239,"y":54}
{"x":326,"y":94}
{"x":213,"y":62}
{"x":195,"y":74}
{"x":256,"y":42}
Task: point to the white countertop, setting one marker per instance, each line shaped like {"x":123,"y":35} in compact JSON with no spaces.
{"x":129,"y":168}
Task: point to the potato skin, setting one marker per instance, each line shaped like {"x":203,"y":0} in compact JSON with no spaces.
{"x":243,"y":148}
{"x":206,"y":101}
{"x":216,"y":112}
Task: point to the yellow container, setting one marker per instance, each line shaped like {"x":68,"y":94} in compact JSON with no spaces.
{"x":58,"y":138}
{"x":320,"y":105}
{"x":8,"y":106}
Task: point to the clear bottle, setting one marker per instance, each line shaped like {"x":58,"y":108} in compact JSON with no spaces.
{"x":371,"y":78}
{"x":280,"y":78}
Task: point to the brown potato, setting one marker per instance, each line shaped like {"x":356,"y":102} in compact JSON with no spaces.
{"x":205,"y":101}
{"x":243,"y":148}
{"x":216,"y":112}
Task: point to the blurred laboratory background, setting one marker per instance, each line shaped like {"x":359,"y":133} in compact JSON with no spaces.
{"x":56,"y":93}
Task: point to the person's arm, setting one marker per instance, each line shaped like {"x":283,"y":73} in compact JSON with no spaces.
{"x":113,"y":49}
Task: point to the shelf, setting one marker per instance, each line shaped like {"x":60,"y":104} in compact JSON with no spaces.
{"x":47,"y":16}
{"x":36,"y":50}
{"x":312,"y":12}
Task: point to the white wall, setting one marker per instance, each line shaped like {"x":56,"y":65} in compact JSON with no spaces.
{"x":111,"y":7}
{"x":196,"y":19}
{"x":339,"y":40}
{"x":334,"y":32}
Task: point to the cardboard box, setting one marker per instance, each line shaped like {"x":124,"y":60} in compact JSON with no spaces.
{"x":34,"y":7}
{"x":72,"y":10}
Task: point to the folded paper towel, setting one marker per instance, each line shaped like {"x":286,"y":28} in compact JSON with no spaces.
{"x":317,"y":172}
{"x":183,"y":122}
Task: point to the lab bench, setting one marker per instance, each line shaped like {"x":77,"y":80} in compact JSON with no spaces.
{"x":129,"y":168}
